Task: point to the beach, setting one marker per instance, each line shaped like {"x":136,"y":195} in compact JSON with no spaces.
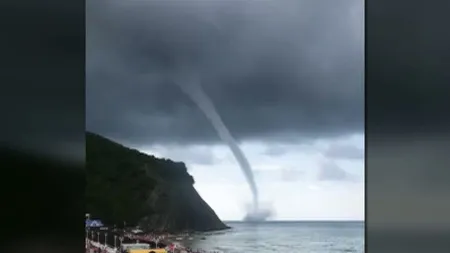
{"x":308,"y":237}
{"x":109,"y":240}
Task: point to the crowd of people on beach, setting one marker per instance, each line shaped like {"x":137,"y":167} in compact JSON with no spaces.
{"x":152,"y":238}
{"x":148,"y":237}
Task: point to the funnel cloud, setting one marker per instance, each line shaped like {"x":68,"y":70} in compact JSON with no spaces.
{"x":190,"y":84}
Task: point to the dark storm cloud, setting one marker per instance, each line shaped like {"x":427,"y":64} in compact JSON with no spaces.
{"x":274,"y":69}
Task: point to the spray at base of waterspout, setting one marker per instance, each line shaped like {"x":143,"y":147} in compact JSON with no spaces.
{"x":260,"y":212}
{"x":259,"y":215}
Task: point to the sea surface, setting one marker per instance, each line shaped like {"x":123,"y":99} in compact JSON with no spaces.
{"x":308,"y":237}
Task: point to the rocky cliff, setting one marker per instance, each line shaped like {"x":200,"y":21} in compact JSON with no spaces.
{"x":126,"y":185}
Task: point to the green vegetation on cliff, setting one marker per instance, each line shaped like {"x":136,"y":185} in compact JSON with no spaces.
{"x":126,"y":185}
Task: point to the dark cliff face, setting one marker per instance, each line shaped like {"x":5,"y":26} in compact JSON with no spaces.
{"x":126,"y":185}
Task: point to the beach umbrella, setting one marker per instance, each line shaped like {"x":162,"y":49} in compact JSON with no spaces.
{"x":115,"y":241}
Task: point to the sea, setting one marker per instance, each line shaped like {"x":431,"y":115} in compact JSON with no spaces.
{"x":277,"y":236}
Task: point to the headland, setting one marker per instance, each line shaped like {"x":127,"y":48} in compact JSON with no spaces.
{"x":127,"y":186}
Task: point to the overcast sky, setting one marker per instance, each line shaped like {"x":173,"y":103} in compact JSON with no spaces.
{"x":287,"y":77}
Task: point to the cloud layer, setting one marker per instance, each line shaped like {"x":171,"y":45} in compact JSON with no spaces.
{"x":277,"y":70}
